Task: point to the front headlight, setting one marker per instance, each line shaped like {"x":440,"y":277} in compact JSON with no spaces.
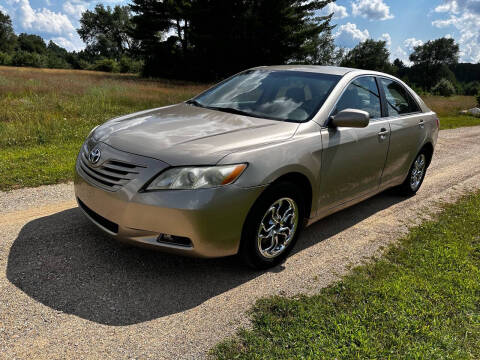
{"x":197,"y":177}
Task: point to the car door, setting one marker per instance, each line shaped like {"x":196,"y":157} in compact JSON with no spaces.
{"x":407,"y":130}
{"x":353,"y":158}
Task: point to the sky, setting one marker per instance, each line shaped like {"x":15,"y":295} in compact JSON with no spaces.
{"x":403,"y":24}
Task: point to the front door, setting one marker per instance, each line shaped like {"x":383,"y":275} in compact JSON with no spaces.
{"x":353,"y":159}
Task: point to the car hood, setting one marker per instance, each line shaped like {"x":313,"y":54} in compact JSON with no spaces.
{"x":188,"y":135}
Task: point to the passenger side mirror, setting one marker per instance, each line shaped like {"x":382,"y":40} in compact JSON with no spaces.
{"x":350,"y":118}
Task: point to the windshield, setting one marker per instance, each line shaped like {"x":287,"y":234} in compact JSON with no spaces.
{"x":279,"y":95}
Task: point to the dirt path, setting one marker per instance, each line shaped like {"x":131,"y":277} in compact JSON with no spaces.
{"x":68,"y":291}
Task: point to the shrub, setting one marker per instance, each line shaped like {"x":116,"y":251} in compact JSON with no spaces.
{"x":128,"y":65}
{"x":472,"y":88}
{"x":107,"y":65}
{"x":56,"y":62}
{"x":5,"y":59}
{"x":478,"y":100}
{"x":444,"y":88}
{"x":23,"y":58}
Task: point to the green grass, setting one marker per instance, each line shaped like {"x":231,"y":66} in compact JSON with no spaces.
{"x":420,"y":301}
{"x":46,"y":114}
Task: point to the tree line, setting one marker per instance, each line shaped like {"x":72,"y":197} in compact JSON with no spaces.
{"x":206,"y":40}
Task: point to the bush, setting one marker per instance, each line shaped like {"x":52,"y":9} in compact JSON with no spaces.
{"x":5,"y":59}
{"x":107,"y":65}
{"x":472,"y":88}
{"x":444,"y":88}
{"x":128,"y":65}
{"x":478,"y":100}
{"x":23,"y":58}
{"x":55,"y":62}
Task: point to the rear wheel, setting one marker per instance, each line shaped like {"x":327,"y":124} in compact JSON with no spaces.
{"x":272,"y":226}
{"x":415,"y":176}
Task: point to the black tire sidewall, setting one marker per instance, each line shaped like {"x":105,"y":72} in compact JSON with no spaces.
{"x":249,"y":251}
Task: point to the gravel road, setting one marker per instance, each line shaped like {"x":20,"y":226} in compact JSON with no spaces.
{"x":67,"y":291}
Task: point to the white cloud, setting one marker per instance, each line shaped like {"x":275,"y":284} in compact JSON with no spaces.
{"x":70,"y":42}
{"x":42,"y":20}
{"x":340,"y":12}
{"x":400,"y":53}
{"x":371,"y":9}
{"x":411,"y":43}
{"x":387,"y":38}
{"x":75,"y":9}
{"x":464,"y":15}
{"x":348,"y":35}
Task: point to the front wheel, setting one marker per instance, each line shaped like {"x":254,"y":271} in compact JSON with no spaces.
{"x":272,"y":226}
{"x":415,"y":176}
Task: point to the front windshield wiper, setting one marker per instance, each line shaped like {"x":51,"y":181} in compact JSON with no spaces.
{"x":232,"y":111}
{"x":195,"y":103}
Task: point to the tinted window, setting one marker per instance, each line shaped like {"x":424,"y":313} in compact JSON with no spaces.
{"x":361,"y":94}
{"x":399,"y":101}
{"x":277,"y":95}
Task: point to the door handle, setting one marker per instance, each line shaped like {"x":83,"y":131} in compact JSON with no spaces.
{"x":383,"y":133}
{"x":421,"y":123}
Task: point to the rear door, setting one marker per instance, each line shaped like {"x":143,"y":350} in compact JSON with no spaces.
{"x":353,"y":159}
{"x":407,"y":123}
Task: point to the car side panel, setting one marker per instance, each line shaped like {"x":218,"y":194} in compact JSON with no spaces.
{"x":352,"y":163}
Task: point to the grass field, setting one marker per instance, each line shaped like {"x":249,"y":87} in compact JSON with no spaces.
{"x":448,"y":109}
{"x":421,"y":301}
{"x":46,"y":114}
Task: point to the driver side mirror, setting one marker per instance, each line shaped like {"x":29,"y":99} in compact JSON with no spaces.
{"x":351,"y":118}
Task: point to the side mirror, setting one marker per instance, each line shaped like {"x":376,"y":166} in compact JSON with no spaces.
{"x":351,"y":118}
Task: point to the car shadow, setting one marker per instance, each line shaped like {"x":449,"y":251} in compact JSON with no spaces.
{"x":65,"y":263}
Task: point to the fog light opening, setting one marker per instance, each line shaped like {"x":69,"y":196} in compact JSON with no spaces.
{"x":174,"y":240}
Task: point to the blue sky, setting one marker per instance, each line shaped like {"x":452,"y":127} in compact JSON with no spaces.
{"x":403,"y":23}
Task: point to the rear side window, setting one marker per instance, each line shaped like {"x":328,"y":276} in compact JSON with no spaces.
{"x":361,"y":94}
{"x":399,"y":101}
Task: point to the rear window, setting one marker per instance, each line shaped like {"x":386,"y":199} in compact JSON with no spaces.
{"x":399,"y":101}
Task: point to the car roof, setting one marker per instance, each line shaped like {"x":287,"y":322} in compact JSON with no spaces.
{"x":332,"y":70}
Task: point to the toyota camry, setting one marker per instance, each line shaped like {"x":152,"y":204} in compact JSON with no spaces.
{"x":244,"y":166}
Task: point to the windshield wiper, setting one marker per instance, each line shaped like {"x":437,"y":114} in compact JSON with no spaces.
{"x":195,"y":103}
{"x":232,"y":110}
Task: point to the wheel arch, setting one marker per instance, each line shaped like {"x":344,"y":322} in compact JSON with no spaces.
{"x":304,"y":185}
{"x":428,"y":148}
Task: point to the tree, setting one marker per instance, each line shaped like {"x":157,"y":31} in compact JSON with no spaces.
{"x":444,"y":88}
{"x":208,"y":39}
{"x":369,"y":55}
{"x":432,"y":60}
{"x":7,"y":36}
{"x":31,"y":43}
{"x":106,"y":31}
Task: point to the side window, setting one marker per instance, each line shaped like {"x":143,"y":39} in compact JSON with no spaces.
{"x":399,"y":101}
{"x":361,"y":94}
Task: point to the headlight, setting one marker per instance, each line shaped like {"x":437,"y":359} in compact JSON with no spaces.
{"x":197,"y":177}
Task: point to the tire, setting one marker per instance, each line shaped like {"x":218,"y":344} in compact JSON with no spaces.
{"x":267,"y":246}
{"x":416,"y":175}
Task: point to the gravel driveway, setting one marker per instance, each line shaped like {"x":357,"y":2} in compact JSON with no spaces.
{"x":66,"y":290}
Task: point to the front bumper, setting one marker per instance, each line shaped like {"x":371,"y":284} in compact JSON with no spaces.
{"x":211,"y":218}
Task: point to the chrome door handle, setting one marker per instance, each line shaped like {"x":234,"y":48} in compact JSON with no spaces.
{"x":383,"y":133}
{"x":421,"y":123}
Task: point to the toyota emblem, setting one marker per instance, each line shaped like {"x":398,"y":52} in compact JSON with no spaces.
{"x":94,"y":156}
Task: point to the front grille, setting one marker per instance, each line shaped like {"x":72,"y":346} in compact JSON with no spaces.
{"x":111,"y":174}
{"x":107,"y":224}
